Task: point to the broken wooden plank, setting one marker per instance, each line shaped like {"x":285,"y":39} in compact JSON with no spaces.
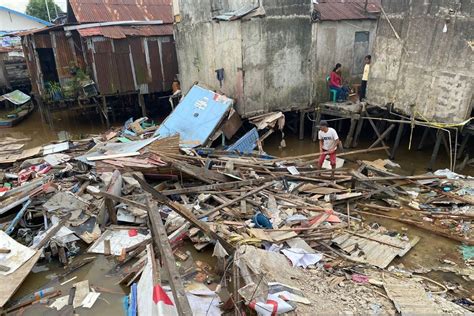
{"x":218,"y":186}
{"x":185,"y":213}
{"x":161,"y":241}
{"x":240,"y":198}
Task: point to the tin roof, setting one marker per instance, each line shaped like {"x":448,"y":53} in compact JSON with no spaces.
{"x":335,"y":10}
{"x":124,"y":31}
{"x":87,"y":11}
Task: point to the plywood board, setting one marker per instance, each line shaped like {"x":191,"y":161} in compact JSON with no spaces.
{"x":10,"y":283}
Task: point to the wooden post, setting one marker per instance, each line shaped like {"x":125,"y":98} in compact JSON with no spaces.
{"x":302,"y":114}
{"x":105,"y":111}
{"x":426,"y":132}
{"x":463,"y":145}
{"x":382,"y":136}
{"x":141,"y":101}
{"x":434,"y":155}
{"x":401,"y":127}
{"x":350,"y":134}
{"x":160,"y":238}
{"x":317,"y":119}
{"x":378,"y":135}
{"x":360,"y":123}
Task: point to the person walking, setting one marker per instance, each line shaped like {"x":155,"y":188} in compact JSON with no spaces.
{"x":328,"y":143}
{"x":365,"y":78}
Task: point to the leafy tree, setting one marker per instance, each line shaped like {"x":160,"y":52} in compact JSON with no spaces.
{"x":37,"y":8}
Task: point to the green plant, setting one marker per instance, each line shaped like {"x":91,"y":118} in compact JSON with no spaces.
{"x":54,"y":90}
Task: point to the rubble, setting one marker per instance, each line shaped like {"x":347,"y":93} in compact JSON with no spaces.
{"x":281,"y":231}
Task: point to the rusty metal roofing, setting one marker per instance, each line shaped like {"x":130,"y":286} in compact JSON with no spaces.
{"x":117,"y":32}
{"x":335,"y":10}
{"x":87,"y":11}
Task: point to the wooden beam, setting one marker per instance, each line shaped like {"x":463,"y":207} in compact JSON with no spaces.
{"x":160,"y":239}
{"x":378,"y":133}
{"x":238,"y":199}
{"x":218,"y":186}
{"x":316,"y":155}
{"x":122,"y":200}
{"x":401,"y":127}
{"x":185,"y":213}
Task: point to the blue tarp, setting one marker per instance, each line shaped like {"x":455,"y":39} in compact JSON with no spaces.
{"x":246,"y":143}
{"x":196,"y":117}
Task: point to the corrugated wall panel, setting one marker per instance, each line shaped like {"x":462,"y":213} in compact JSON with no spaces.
{"x":42,"y":40}
{"x":170,"y":63}
{"x":156,"y":84}
{"x":122,"y":59}
{"x":63,"y":54}
{"x":106,"y":70}
{"x":139,"y":60}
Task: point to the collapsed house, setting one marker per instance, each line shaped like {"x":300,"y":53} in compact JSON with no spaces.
{"x":126,"y":49}
{"x":269,"y":55}
{"x":13,"y":71}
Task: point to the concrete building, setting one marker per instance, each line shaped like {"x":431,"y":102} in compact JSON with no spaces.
{"x":275,"y":55}
{"x":12,"y":21}
{"x":423,"y":59}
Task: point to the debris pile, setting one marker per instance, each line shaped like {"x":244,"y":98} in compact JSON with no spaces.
{"x":280,"y":234}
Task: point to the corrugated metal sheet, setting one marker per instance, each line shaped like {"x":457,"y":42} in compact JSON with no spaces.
{"x":234,"y":15}
{"x":43,"y":41}
{"x":26,"y":44}
{"x":335,"y":10}
{"x":139,"y":60}
{"x":170,"y":63}
{"x":118,"y":32}
{"x":106,"y":69}
{"x":121,"y":10}
{"x":365,"y":247}
{"x":122,"y":60}
{"x":156,"y":84}
{"x":63,"y":54}
{"x":196,"y":117}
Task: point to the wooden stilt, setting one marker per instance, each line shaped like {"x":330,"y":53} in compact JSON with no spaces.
{"x":382,"y":136}
{"x":401,"y":127}
{"x":141,"y":101}
{"x":302,"y":115}
{"x":434,"y":155}
{"x":317,"y":114}
{"x":105,"y":111}
{"x":446,"y":144}
{"x":378,"y":135}
{"x":350,"y":134}
{"x":463,"y":145}
{"x":360,"y":124}
{"x":426,"y":132}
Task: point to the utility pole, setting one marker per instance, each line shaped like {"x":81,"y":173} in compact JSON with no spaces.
{"x":47,"y":9}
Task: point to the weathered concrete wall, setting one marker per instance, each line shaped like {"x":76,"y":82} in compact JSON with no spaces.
{"x":275,"y":62}
{"x":265,"y":59}
{"x":334,"y":42}
{"x":276,"y":58}
{"x":428,"y":68}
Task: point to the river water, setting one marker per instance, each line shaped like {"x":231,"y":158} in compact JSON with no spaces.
{"x":429,"y":252}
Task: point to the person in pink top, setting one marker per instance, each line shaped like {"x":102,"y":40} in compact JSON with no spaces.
{"x":335,"y":82}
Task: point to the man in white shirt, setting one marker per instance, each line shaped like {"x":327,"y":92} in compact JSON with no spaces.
{"x":365,"y":78}
{"x":328,"y":143}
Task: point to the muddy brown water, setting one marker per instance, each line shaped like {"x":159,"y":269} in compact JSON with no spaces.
{"x":428,"y":253}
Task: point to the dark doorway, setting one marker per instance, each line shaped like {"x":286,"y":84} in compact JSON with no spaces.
{"x":361,"y":49}
{"x":47,"y":64}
